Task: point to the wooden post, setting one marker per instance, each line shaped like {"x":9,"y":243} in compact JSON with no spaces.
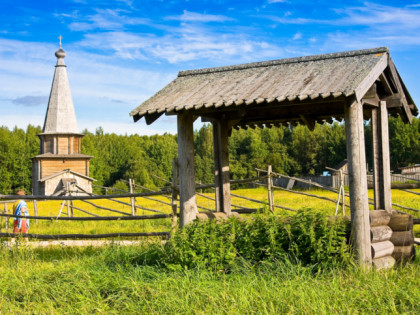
{"x":174,"y":192}
{"x":359,"y":206}
{"x":6,"y":219}
{"x":35,"y":210}
{"x":71,"y":208}
{"x":343,"y":191}
{"x":221,"y":166}
{"x":381,"y":163}
{"x":132,"y":200}
{"x":187,"y":198}
{"x":270,"y":189}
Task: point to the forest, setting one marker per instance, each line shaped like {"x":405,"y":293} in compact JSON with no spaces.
{"x":290,"y":150}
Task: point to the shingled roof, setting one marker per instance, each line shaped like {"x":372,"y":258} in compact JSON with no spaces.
{"x":320,"y":81}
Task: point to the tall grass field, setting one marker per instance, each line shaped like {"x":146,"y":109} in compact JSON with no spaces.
{"x":262,"y":265}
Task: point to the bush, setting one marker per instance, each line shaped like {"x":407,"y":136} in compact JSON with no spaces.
{"x":309,"y":238}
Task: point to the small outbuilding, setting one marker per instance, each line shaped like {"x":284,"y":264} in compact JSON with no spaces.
{"x":350,"y":86}
{"x":411,"y":170}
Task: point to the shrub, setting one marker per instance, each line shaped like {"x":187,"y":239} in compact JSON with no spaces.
{"x":309,"y":238}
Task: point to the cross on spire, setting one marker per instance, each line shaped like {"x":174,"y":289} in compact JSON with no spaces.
{"x":60,"y":38}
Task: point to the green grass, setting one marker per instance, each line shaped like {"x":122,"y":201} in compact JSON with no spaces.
{"x":128,"y":280}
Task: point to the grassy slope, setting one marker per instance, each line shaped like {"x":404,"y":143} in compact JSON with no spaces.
{"x":116,"y":280}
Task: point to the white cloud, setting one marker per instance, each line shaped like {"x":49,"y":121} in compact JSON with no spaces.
{"x":199,"y":17}
{"x":275,"y":1}
{"x":297,"y":36}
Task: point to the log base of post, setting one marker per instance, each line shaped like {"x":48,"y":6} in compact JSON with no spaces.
{"x":402,"y":237}
{"x":392,"y":238}
{"x":218,"y":216}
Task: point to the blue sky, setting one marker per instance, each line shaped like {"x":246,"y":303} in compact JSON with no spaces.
{"x":119,"y":53}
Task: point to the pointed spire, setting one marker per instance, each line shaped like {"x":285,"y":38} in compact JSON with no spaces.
{"x":60,"y":116}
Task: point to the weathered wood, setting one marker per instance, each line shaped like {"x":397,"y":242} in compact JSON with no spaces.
{"x":85,"y":236}
{"x":43,"y":197}
{"x":303,"y":193}
{"x":379,"y":217}
{"x":6,"y":219}
{"x":385,"y":262}
{"x":174,"y":192}
{"x":382,"y":249}
{"x":381,"y":163}
{"x":84,"y":211}
{"x":104,"y":208}
{"x":269,"y":189}
{"x":137,"y":207}
{"x":262,"y":202}
{"x":132,"y":201}
{"x":187,"y":198}
{"x":210,"y":215}
{"x":380,"y":234}
{"x":221,"y":165}
{"x":359,"y":206}
{"x":35,"y":209}
{"x":402,"y":238}
{"x":401,"y":222}
{"x":97,"y":218}
{"x":403,"y":252}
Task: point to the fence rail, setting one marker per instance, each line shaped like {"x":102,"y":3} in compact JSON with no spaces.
{"x":271,"y":180}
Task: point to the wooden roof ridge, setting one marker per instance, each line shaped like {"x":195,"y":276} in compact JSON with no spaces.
{"x":345,"y":54}
{"x":66,"y":171}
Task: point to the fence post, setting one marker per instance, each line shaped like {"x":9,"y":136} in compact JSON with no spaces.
{"x":343,"y":192}
{"x":35,"y":210}
{"x":174,"y":192}
{"x":71,"y":208}
{"x":270,"y":189}
{"x":6,"y":219}
{"x":132,"y":199}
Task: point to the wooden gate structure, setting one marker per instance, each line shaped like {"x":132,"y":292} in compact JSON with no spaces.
{"x":353,"y":86}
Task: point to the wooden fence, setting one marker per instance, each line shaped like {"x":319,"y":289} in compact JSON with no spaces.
{"x":272,"y":180}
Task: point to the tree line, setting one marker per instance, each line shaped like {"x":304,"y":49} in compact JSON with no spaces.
{"x":290,"y":150}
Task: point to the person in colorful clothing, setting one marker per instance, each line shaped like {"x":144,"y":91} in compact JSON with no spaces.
{"x":20,"y":208}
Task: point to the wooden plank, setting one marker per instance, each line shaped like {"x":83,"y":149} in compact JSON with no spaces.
{"x":408,"y":116}
{"x":371,"y":77}
{"x":382,"y":249}
{"x":187,"y":198}
{"x":359,"y":206}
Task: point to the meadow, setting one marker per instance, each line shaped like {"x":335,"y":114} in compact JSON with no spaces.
{"x":282,"y":198}
{"x":133,"y":279}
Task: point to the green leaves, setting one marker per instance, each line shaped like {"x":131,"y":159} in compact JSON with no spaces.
{"x":309,"y":238}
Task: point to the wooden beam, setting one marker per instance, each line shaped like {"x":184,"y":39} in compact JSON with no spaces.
{"x":151,"y":118}
{"x":381,"y":162}
{"x":386,"y":84}
{"x":309,"y":122}
{"x":221,"y":165}
{"x":407,"y":117}
{"x":359,"y":206}
{"x":187,"y":198}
